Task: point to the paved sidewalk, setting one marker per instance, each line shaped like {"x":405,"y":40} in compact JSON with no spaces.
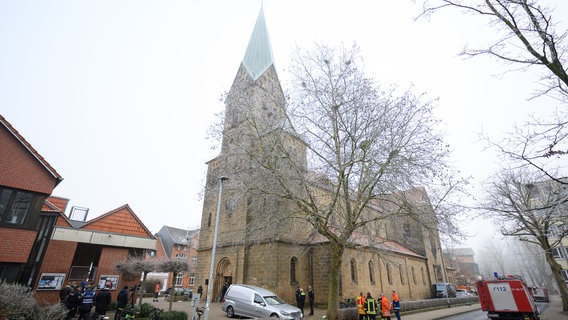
{"x":554,"y":311}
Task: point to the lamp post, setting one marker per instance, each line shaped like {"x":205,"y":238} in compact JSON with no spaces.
{"x":210,"y":281}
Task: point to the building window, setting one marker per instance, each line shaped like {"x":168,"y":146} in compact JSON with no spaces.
{"x":181,"y":257}
{"x":557,"y":253}
{"x":179,"y":279}
{"x":209,"y":220}
{"x":353,"y":270}
{"x":413,"y":275}
{"x":565,"y":275}
{"x":406,"y":230}
{"x":293,"y":263}
{"x":191,"y":278}
{"x":371,"y":277}
{"x":423,"y":276}
{"x":14,"y":205}
{"x":400,"y":271}
{"x":389,"y":274}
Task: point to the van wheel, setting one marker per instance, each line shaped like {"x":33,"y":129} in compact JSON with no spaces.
{"x":274,"y":316}
{"x":230,"y":312}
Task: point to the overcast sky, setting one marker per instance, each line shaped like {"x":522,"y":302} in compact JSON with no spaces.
{"x":118,"y":95}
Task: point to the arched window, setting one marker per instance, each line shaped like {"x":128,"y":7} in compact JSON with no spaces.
{"x":293,"y":264}
{"x":371,"y":270}
{"x":389,"y":274}
{"x":423,"y":277}
{"x":413,"y":275}
{"x":400,"y":271}
{"x":353,"y":270}
{"x":181,"y":257}
{"x":209,"y":220}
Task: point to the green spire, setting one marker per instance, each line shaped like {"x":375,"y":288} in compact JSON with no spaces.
{"x":258,"y":56}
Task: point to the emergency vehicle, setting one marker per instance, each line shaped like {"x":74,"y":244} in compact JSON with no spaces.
{"x":507,"y":299}
{"x":539,"y":294}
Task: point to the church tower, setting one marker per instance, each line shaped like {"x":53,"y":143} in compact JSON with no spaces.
{"x":250,"y":228}
{"x":259,"y":240}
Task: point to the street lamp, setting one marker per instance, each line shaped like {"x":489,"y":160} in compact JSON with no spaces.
{"x":210,"y":281}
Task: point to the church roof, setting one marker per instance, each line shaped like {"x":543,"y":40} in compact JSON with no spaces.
{"x":258,"y":57}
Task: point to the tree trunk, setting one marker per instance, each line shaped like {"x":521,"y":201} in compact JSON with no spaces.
{"x":557,"y":273}
{"x":142,"y":289}
{"x":173,"y":291}
{"x":334,"y":273}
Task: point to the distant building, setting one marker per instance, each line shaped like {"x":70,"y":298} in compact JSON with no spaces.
{"x":180,"y":244}
{"x":463,"y":261}
{"x":544,"y":192}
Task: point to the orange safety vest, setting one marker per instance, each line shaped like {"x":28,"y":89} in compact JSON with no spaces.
{"x":361,"y":304}
{"x":385,"y":306}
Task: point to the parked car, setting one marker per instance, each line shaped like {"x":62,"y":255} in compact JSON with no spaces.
{"x":187,"y":293}
{"x":439,"y":290}
{"x":463,"y":293}
{"x":255,"y":302}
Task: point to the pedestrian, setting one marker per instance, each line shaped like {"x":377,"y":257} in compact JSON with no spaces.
{"x":199,"y":292}
{"x":361,"y":306}
{"x":64,"y":293}
{"x":370,"y":307}
{"x":300,"y":299}
{"x":86,"y":304}
{"x":121,"y":302}
{"x":311,"y":296}
{"x":102,"y":300}
{"x":396,"y":305}
{"x":157,"y":291}
{"x":73,"y":302}
{"x":223,"y":291}
{"x":385,"y":307}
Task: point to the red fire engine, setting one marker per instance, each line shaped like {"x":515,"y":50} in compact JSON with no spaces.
{"x":506,"y":299}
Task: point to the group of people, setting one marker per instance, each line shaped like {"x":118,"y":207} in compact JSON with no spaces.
{"x":81,"y":299}
{"x":368,"y":308}
{"x":301,"y":299}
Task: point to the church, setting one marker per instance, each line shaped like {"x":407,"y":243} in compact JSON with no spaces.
{"x":255,"y":246}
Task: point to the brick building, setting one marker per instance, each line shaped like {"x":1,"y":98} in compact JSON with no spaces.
{"x":26,"y":180}
{"x":256,"y":247}
{"x":179,"y":244}
{"x":88,"y":250}
{"x":41,"y":246}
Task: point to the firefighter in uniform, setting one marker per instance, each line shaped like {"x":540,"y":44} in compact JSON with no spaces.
{"x":385,"y":305}
{"x":370,"y":307}
{"x":361,"y":306}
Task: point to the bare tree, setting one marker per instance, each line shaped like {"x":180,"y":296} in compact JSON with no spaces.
{"x":531,"y":208}
{"x":137,"y":266}
{"x":526,"y":36}
{"x":366,"y":150}
{"x":175,"y":266}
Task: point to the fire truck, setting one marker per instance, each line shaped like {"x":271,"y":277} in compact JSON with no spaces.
{"x":507,"y":298}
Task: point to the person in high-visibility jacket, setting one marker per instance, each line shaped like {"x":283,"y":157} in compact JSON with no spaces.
{"x":385,"y":307}
{"x":361,"y":306}
{"x":370,"y":307}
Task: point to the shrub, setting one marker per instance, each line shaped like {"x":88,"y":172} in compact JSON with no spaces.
{"x":175,"y":315}
{"x":145,"y":310}
{"x":17,"y":302}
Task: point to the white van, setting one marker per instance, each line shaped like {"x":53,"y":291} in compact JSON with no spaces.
{"x":255,"y":302}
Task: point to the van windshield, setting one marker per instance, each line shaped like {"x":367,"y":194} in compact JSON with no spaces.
{"x":272,"y":300}
{"x":440,"y":286}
